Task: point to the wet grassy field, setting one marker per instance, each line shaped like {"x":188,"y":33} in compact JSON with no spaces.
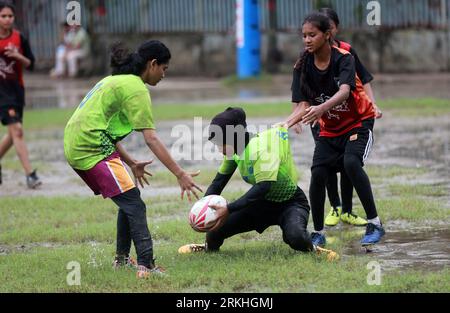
{"x":42,"y":231}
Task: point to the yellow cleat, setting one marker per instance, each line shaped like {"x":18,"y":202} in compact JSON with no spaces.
{"x":353,"y":219}
{"x":191,"y":248}
{"x":331,"y":255}
{"x":333,"y":216}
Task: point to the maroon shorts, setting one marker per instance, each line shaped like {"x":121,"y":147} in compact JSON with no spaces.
{"x":108,"y":177}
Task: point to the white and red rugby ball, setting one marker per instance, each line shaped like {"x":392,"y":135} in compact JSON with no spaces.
{"x":202,"y":217}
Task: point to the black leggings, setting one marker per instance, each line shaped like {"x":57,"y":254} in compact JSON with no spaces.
{"x":292,"y":216}
{"x":346,"y":191}
{"x":332,"y":190}
{"x":346,"y":184}
{"x":354,"y":172}
{"x":132,"y":225}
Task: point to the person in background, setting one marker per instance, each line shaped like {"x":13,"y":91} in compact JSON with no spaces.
{"x":74,"y":47}
{"x":15,"y":55}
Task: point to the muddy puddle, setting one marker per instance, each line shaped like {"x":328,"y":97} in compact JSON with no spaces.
{"x":418,"y":249}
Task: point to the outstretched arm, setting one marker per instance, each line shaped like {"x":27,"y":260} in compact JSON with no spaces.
{"x":299,"y":110}
{"x":185,"y":180}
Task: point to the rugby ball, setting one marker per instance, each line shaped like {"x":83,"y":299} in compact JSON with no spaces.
{"x":202,"y":217}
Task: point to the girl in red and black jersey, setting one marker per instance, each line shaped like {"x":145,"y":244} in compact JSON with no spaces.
{"x":15,"y":54}
{"x":362,"y":72}
{"x":344,"y":212}
{"x":332,"y":95}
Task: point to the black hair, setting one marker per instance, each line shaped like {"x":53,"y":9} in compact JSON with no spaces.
{"x":125,"y":62}
{"x":7,"y":5}
{"x":332,"y":15}
{"x":235,"y":117}
{"x":322,"y":22}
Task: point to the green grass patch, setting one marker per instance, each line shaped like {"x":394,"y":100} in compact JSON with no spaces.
{"x":418,"y":190}
{"x":412,"y":209}
{"x":233,"y":80}
{"x":12,"y":162}
{"x":241,"y":266}
{"x":81,"y":219}
{"x":417,"y":107}
{"x":46,"y":233}
{"x":387,"y":172}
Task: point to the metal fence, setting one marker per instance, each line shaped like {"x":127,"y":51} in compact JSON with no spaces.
{"x":41,"y":19}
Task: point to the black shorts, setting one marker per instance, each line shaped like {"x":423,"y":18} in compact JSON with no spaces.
{"x":330,"y":151}
{"x":315,"y":131}
{"x":262,"y":214}
{"x":291,"y":215}
{"x":268,"y":213}
{"x":11,"y":115}
{"x":369,"y":123}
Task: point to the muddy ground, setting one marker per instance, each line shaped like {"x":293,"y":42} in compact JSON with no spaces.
{"x":399,"y":141}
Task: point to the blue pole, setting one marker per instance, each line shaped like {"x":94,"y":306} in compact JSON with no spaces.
{"x":248,"y":38}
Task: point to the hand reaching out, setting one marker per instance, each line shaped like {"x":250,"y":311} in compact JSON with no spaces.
{"x":139,"y":172}
{"x":313,"y":115}
{"x":188,"y":185}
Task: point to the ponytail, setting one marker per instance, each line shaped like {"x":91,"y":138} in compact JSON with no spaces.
{"x":300,"y":65}
{"x":125,"y":62}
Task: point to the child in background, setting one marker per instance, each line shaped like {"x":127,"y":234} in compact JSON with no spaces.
{"x":15,"y":54}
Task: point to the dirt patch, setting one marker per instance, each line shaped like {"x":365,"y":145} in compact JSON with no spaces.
{"x":398,"y":142}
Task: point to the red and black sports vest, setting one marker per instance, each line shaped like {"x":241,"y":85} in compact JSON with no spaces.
{"x":11,"y":69}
